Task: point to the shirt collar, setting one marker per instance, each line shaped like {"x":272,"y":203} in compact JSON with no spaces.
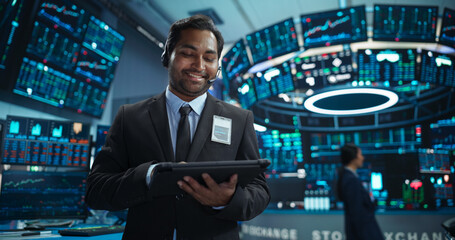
{"x":174,"y":103}
{"x":354,"y":172}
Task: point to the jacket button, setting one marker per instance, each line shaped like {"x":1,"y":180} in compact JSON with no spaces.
{"x":179,"y":196}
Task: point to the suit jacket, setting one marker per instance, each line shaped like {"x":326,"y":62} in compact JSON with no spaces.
{"x":359,"y":220}
{"x":138,"y":137}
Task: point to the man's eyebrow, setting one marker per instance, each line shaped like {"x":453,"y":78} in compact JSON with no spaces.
{"x":189,"y":46}
{"x":195,"y":49}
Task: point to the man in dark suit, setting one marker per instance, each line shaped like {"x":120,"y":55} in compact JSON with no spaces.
{"x":359,"y":220}
{"x":145,"y":133}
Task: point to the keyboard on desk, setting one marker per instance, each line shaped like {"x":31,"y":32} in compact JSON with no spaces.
{"x":92,"y":231}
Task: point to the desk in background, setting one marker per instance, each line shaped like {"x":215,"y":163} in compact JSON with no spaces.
{"x":55,"y":235}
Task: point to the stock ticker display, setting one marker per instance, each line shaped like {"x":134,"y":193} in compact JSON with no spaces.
{"x":392,"y":140}
{"x":282,"y":148}
{"x":261,"y":86}
{"x":103,"y":40}
{"x":273,"y":41}
{"x":53,"y":47}
{"x":280,"y":78}
{"x":233,"y":64}
{"x":32,"y":195}
{"x":95,"y":68}
{"x":405,"y":23}
{"x":317,"y":71}
{"x":101,"y":134}
{"x":447,"y":35}
{"x":235,"y":61}
{"x":30,"y":141}
{"x":394,"y":66}
{"x":68,"y":51}
{"x":11,"y":13}
{"x":443,"y":134}
{"x":334,"y":27}
{"x":43,"y":83}
{"x":273,"y":81}
{"x":434,"y":161}
{"x":247,"y":93}
{"x":65,"y":15}
{"x":84,"y":97}
{"x":437,"y":68}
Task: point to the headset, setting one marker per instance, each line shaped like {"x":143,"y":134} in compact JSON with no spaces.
{"x":165,"y":57}
{"x":216,"y":76}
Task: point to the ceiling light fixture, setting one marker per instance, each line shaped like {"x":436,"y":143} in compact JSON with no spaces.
{"x":311,"y":102}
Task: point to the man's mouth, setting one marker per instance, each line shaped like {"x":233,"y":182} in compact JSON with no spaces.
{"x":196,"y":76}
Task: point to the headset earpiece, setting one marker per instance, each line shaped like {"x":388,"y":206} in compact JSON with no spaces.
{"x":164,"y":58}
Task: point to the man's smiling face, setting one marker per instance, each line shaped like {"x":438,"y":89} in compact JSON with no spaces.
{"x":193,"y":62}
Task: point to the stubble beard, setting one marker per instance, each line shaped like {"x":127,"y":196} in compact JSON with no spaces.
{"x":182,"y":89}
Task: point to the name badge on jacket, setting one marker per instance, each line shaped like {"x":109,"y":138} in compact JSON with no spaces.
{"x":221,"y":130}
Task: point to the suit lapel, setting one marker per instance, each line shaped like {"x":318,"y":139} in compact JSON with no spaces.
{"x":363,"y":191}
{"x":204,"y":127}
{"x":161,"y":124}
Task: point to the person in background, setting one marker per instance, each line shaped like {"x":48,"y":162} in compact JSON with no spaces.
{"x":150,"y":132}
{"x":359,"y":220}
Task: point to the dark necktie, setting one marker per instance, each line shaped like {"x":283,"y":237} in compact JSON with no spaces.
{"x":183,"y":135}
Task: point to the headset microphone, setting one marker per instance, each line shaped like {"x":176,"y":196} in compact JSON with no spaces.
{"x":217,"y":74}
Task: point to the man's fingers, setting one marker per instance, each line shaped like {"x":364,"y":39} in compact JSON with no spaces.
{"x":211,"y":184}
{"x":233,"y":181}
{"x":188,"y":189}
{"x":195,"y":185}
{"x":214,"y":195}
{"x":185,"y":187}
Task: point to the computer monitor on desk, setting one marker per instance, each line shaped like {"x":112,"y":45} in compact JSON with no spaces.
{"x":44,"y":171}
{"x":42,"y":195}
{"x":286,"y":190}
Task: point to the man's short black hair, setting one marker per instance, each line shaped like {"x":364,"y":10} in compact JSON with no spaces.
{"x":348,"y":153}
{"x":199,"y":22}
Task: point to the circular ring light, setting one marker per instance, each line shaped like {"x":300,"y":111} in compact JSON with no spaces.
{"x":338,"y":108}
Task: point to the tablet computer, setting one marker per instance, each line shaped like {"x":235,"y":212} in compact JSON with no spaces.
{"x":166,"y":174}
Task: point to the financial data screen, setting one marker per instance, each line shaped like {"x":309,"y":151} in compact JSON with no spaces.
{"x":30,"y":141}
{"x":11,"y":16}
{"x":65,"y":16}
{"x":434,"y":161}
{"x":282,"y":148}
{"x":437,"y":68}
{"x":394,"y":66}
{"x":405,"y":23}
{"x":447,"y":35}
{"x":261,"y":86}
{"x":101,"y":134}
{"x":70,"y":58}
{"x":103,"y":40}
{"x":443,"y":134}
{"x":317,"y":71}
{"x":247,"y":93}
{"x":273,"y":81}
{"x":273,"y":41}
{"x":334,"y":27}
{"x":235,"y":61}
{"x":280,"y":78}
{"x":33,"y":195}
{"x":43,"y":83}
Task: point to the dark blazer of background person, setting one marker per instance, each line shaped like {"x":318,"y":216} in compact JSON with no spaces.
{"x":140,"y":135}
{"x":360,"y":222}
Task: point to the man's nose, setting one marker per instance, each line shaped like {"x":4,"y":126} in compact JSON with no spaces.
{"x":199,"y":63}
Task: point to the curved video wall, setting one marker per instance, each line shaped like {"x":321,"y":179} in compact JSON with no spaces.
{"x":273,"y":71}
